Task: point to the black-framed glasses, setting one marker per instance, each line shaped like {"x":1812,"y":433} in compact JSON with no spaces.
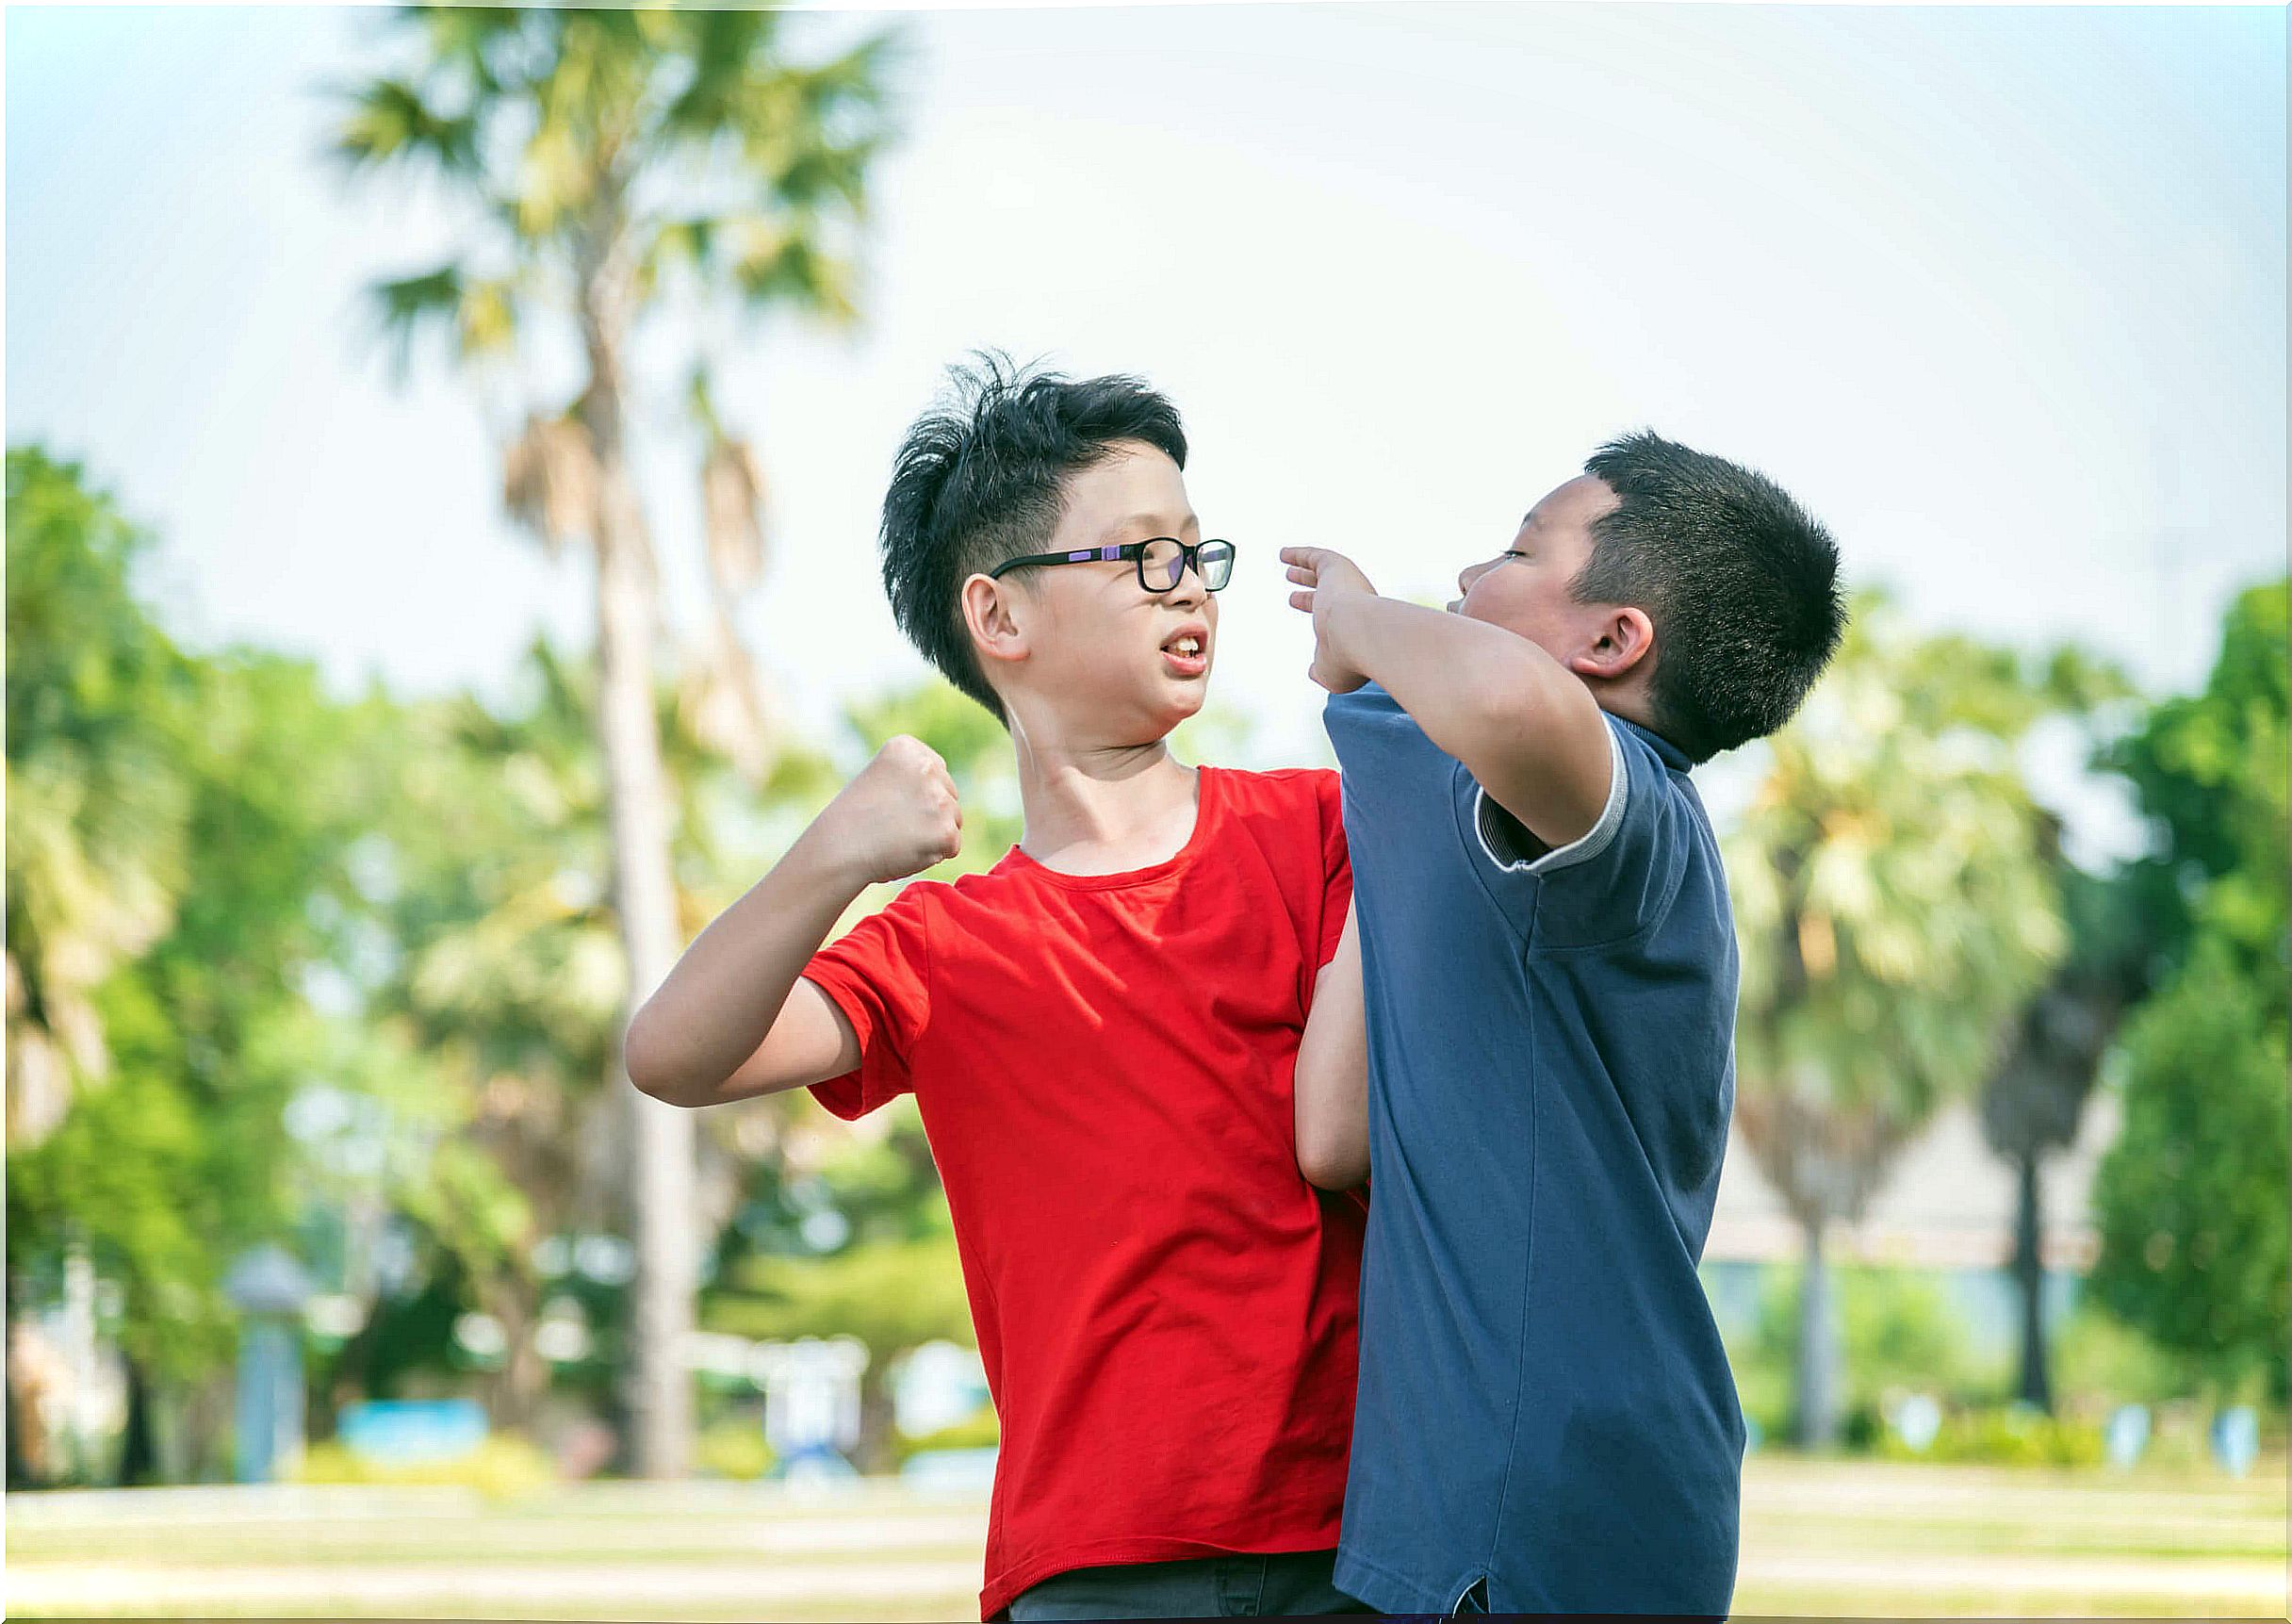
{"x":1162,"y":560}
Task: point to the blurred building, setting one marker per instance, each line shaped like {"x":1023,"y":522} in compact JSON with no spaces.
{"x":1948,"y":1208}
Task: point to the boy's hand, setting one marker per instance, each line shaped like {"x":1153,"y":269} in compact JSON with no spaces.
{"x":898,"y":816}
{"x":1328,"y":576}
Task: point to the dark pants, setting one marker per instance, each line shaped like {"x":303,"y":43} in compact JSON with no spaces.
{"x":1283,"y":1586}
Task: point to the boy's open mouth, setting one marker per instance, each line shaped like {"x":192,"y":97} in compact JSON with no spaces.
{"x":1185,"y":651}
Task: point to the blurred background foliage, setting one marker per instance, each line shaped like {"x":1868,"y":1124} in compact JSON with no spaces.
{"x":343,"y":973}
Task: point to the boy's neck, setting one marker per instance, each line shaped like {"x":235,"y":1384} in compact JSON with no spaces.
{"x":1103,"y":808}
{"x":1635,"y":709}
{"x":1628,"y":699}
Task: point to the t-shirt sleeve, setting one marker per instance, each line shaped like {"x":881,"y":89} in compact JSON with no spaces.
{"x":1610,"y":883}
{"x":879,"y":975}
{"x":1336,"y":867}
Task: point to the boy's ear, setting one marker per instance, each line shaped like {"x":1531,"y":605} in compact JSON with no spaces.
{"x":993,"y":611}
{"x":1626,"y":639}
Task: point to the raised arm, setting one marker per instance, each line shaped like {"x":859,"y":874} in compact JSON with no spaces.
{"x":1333,"y":1073}
{"x":1525,"y":726}
{"x":734,"y":1018}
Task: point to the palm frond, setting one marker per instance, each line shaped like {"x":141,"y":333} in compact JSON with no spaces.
{"x":690,"y":243}
{"x":482,"y":315}
{"x":550,"y":482}
{"x":782,"y":263}
{"x":719,"y":703}
{"x":477,"y":40}
{"x":406,"y":306}
{"x":819,"y":175}
{"x":721,"y":45}
{"x":556,"y":175}
{"x":487,"y":321}
{"x":390,"y":120}
{"x":733,"y":495}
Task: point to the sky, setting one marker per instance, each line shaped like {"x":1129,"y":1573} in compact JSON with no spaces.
{"x":1998,"y":293}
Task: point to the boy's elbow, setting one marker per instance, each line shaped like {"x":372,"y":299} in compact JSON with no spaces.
{"x":1328,"y":1164}
{"x":646,"y":1073}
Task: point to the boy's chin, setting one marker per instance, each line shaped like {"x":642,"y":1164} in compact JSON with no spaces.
{"x":1173,"y":704}
{"x":1188,"y":698}
{"x":1130,"y":715}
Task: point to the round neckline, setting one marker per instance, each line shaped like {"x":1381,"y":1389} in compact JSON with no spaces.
{"x":1205,"y":780}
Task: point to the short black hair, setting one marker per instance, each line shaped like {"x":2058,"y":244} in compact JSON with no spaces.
{"x":982,"y":477}
{"x":1740,"y":585}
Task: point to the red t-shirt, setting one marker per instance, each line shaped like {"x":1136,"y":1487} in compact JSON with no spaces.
{"x":1104,"y":1064}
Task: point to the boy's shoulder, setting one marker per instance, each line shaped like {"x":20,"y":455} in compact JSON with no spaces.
{"x":1309,"y":795}
{"x":1302,"y":782}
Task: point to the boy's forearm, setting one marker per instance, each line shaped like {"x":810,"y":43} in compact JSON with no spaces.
{"x":1468,"y":684}
{"x":716,"y":1006}
{"x":1331,"y":1078}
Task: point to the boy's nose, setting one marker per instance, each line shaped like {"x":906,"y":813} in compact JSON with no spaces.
{"x":1189,"y":587}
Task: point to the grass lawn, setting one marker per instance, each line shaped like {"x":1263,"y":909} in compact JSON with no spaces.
{"x":1818,"y":1537}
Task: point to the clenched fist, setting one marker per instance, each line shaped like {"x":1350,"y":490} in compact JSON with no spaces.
{"x":899,"y":815}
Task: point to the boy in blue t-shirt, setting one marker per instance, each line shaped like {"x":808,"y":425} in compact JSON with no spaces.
{"x":1545,"y":1420}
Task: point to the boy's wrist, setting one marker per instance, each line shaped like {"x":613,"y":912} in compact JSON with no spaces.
{"x":829,"y":860}
{"x":1349,"y":614}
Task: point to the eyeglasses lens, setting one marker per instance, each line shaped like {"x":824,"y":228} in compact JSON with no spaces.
{"x":1164,"y":562}
{"x":1161,"y":565}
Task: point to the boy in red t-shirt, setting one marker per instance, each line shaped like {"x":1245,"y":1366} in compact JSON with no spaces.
{"x":1100,"y":1032}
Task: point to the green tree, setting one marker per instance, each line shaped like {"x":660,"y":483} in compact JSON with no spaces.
{"x":1895,"y":913}
{"x":241,"y":780}
{"x":2034,"y":1097}
{"x":889,"y":1272}
{"x":2189,"y":1200}
{"x":97,"y":810}
{"x":614,"y":159}
{"x":1897,"y":1330}
{"x":506,"y":974}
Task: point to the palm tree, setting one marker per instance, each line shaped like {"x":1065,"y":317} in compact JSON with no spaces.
{"x":722,"y":699}
{"x":97,"y":813}
{"x":509,"y":982}
{"x":1895,"y":914}
{"x":607,"y":153}
{"x":2033,"y":1101}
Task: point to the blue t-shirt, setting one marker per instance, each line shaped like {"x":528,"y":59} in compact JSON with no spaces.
{"x":1546,"y":1416}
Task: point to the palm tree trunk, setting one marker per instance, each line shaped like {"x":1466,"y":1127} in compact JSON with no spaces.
{"x":2029,"y":1273}
{"x":20,"y":1474}
{"x":139,"y":1449}
{"x":661,"y":1398}
{"x":518,"y":1388}
{"x":662,"y":1136}
{"x":659,"y":1391}
{"x":1818,"y":1348}
{"x":873,"y":1453}
{"x":206,"y":1428}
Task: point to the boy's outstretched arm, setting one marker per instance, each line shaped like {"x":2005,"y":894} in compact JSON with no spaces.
{"x":734,"y":1018}
{"x":1333,"y":1073}
{"x":1525,"y":726}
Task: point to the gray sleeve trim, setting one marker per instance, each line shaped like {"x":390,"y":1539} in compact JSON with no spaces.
{"x":1589,"y":845}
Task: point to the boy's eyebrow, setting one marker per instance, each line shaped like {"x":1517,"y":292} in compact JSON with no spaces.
{"x":1148,"y":521}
